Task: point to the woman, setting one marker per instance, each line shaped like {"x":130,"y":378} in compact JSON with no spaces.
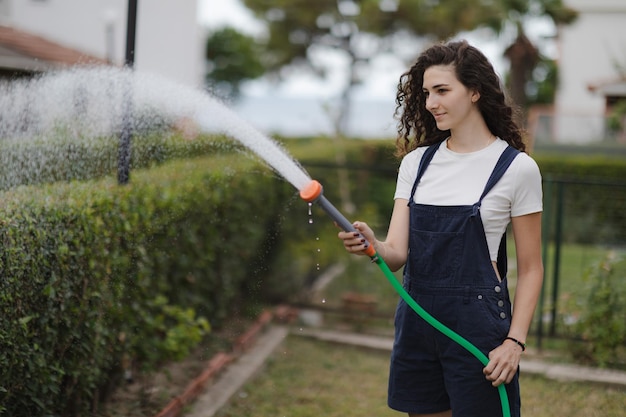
{"x":463,"y":177}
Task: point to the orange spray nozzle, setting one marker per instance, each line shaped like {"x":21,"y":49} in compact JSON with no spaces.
{"x":311,"y":192}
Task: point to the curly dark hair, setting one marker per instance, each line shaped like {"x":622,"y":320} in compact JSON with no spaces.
{"x":417,"y":127}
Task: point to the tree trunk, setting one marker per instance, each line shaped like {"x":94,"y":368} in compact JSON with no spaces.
{"x":523,"y":56}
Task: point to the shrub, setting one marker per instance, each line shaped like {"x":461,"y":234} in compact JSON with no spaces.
{"x":602,"y":325}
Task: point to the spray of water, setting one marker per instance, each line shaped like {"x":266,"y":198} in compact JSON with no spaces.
{"x":92,"y":102}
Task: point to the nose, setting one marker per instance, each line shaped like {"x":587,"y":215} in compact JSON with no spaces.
{"x":431,"y":103}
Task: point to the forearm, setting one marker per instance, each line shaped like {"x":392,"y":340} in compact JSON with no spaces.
{"x":525,"y":301}
{"x":527,"y":233}
{"x":395,"y":248}
{"x":393,"y":257}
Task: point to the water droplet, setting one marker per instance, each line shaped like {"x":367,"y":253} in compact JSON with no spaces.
{"x":323,"y":301}
{"x":310,"y":221}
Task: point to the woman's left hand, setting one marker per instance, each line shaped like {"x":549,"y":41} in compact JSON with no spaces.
{"x":503,"y":363}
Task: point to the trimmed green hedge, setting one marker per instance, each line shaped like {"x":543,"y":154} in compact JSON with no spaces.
{"x":60,"y":156}
{"x":581,"y":167}
{"x":593,"y":188}
{"x":94,"y":275}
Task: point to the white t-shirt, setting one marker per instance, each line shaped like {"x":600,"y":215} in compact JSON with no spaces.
{"x":459,"y":179}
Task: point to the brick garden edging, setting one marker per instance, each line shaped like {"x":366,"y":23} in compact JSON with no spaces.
{"x":222,"y":359}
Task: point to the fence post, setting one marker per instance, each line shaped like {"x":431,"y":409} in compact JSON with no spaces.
{"x":558,"y":238}
{"x":546,"y":222}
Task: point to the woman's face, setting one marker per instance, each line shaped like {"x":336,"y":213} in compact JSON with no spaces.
{"x":447,"y":99}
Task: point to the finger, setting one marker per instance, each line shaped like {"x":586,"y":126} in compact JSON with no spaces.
{"x":503,"y":378}
{"x":349,"y":237}
{"x":487,"y":370}
{"x":357,"y":239}
{"x":344,"y":235}
{"x":360,"y":227}
{"x":356,"y":248}
{"x":492,"y":370}
{"x":500,"y":375}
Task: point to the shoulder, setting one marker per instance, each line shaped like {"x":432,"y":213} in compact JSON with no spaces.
{"x":412,"y":159}
{"x":407,"y":171}
{"x":525,"y":166}
{"x":526,"y":186}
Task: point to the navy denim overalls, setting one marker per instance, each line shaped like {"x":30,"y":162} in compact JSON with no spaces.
{"x":450,"y":274}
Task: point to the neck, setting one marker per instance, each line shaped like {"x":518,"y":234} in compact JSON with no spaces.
{"x":461,"y":146}
{"x":470,"y":139}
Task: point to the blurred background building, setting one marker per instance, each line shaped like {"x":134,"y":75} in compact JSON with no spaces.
{"x":168,"y":39}
{"x":592,"y":73}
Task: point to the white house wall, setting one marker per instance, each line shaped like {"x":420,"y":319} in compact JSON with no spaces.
{"x":168,"y":41}
{"x":589,"y":51}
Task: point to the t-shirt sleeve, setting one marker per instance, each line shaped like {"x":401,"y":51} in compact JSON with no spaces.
{"x":528,"y":195}
{"x":407,"y":174}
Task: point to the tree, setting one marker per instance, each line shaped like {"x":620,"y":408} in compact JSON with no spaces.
{"x":522,"y":54}
{"x":232,"y":59}
{"x":541,"y":88}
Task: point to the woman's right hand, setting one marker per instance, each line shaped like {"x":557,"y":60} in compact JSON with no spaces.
{"x":355,"y":241}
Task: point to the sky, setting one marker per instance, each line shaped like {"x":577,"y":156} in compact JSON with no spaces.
{"x":221,"y":12}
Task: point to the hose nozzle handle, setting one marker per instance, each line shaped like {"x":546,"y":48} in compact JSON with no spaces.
{"x":313,"y":193}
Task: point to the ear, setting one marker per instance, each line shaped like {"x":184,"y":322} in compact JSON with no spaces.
{"x":475,"y":96}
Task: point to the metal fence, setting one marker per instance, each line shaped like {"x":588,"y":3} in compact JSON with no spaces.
{"x":583,"y":222}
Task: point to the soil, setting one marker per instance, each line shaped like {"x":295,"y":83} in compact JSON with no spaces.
{"x":146,"y":394}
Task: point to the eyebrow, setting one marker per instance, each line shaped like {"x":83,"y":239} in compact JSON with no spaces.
{"x":434,"y":87}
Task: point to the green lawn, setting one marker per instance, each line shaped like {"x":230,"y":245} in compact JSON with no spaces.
{"x":306,"y":378}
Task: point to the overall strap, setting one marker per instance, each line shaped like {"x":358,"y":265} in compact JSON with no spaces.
{"x":502,"y":165}
{"x":426,"y":158}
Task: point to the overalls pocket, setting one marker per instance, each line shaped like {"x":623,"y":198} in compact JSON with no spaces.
{"x":438,"y":253}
